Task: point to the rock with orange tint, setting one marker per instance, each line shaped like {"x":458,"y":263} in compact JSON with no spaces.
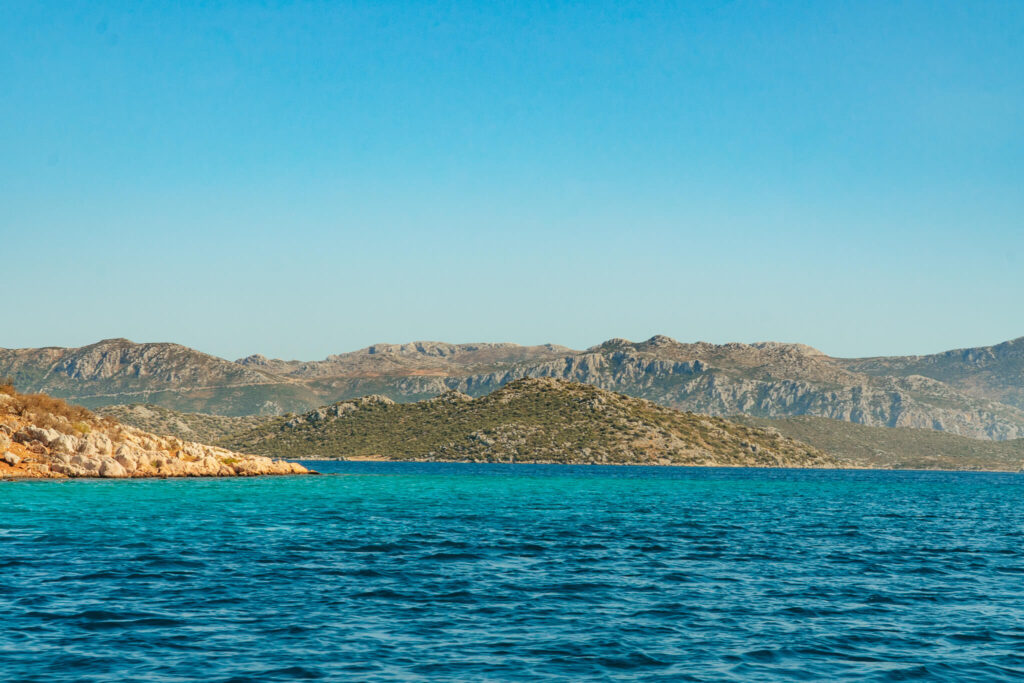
{"x":41,"y":437}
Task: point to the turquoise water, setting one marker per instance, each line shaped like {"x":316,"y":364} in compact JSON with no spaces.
{"x":515,"y":572}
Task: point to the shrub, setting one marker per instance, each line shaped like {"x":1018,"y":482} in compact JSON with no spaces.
{"x":47,"y":410}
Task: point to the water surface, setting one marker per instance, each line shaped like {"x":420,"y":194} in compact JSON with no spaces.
{"x":515,"y":572}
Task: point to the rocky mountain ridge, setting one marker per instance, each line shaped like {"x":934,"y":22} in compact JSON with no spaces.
{"x":972,"y":392}
{"x":989,"y":372}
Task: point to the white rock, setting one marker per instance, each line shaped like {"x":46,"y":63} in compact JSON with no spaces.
{"x":111,"y":468}
{"x":85,"y":465}
{"x":127,"y":460}
{"x":30,"y":433}
{"x":96,"y":443}
{"x":65,"y":443}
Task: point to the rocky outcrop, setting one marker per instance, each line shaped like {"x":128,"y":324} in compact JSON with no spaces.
{"x":338,"y":410}
{"x":43,"y":438}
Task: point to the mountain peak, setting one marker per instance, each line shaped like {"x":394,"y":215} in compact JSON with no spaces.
{"x":660,"y":340}
{"x":254,"y":359}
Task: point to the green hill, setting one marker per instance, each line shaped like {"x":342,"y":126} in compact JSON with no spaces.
{"x":529,"y":420}
{"x":897,"y":447}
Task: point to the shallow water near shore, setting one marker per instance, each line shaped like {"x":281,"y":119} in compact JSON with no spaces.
{"x":406,"y":571}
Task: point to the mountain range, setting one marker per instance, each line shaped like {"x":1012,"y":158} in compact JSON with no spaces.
{"x":975,"y":392}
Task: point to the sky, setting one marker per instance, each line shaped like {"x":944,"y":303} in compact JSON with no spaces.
{"x":301,"y":179}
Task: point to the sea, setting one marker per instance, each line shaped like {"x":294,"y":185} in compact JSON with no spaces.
{"x":473,"y":572}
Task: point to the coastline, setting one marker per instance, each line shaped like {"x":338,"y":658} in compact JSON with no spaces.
{"x":42,"y":437}
{"x":7,"y":475}
{"x":844,"y":466}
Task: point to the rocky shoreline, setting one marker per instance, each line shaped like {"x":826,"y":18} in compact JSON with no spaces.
{"x":45,"y":438}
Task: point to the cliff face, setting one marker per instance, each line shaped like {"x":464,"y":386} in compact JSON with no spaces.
{"x":772,"y":381}
{"x":41,"y":437}
{"x":911,"y":402}
{"x":987,"y":372}
{"x":971,"y":392}
{"x":529,"y":420}
{"x":119,"y":371}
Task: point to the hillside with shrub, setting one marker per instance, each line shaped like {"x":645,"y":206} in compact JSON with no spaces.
{"x":531,"y":420}
{"x":897,"y":447}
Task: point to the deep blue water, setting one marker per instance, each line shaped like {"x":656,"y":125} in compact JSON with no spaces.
{"x":515,"y":572}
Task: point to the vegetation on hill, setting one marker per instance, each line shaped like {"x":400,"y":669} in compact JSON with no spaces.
{"x":193,"y":426}
{"x":898,"y":447}
{"x":530,"y":420}
{"x":45,"y":411}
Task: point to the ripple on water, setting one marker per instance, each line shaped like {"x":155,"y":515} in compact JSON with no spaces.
{"x":447,"y":572}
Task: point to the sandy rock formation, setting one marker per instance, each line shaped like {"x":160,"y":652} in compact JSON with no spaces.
{"x":42,"y":437}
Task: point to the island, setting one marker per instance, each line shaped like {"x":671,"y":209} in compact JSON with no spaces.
{"x":532,"y":420}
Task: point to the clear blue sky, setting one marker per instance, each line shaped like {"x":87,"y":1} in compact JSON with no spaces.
{"x":300,"y":179}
